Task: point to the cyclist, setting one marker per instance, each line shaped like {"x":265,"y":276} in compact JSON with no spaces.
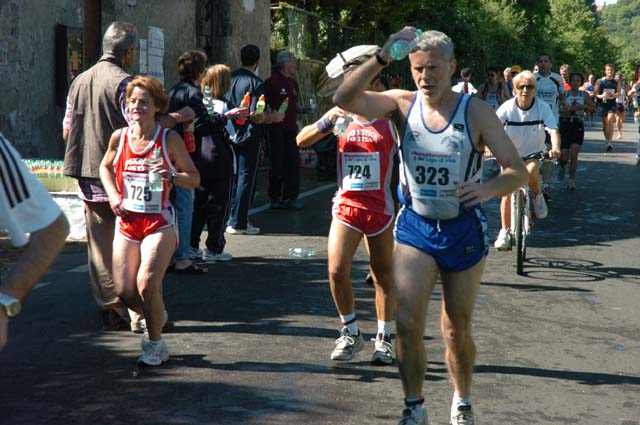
{"x":527,"y":120}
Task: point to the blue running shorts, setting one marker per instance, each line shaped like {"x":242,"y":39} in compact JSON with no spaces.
{"x":456,"y":244}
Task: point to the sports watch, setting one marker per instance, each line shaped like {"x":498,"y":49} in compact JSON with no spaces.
{"x":11,"y":305}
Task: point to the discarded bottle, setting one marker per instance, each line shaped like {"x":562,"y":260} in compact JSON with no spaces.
{"x":207,"y":100}
{"x":155,"y":179}
{"x":401,"y":48}
{"x":284,"y":105}
{"x":312,"y":104}
{"x":246,"y":101}
{"x":188,"y":137}
{"x":301,"y":252}
{"x":261,"y":104}
{"x":341,"y":125}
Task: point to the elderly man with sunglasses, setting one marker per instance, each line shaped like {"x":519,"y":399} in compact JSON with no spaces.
{"x":526,"y":120}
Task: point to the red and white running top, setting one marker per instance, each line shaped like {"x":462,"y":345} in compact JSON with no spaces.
{"x":365,"y":164}
{"x":132,"y":173}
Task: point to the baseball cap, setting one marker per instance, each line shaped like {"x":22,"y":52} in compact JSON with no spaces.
{"x":516,"y":68}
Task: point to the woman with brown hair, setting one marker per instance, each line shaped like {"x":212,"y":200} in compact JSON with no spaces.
{"x":216,"y":163}
{"x":145,"y":237}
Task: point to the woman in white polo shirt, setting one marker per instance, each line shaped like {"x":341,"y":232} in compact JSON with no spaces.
{"x":525,"y":120}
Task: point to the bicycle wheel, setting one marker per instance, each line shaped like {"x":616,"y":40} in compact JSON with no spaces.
{"x":519,"y":232}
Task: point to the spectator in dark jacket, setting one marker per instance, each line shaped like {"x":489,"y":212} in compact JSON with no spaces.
{"x":216,"y":164}
{"x":248,"y":140}
{"x":191,"y":67}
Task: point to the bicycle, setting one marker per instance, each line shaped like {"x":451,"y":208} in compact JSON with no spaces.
{"x":522,"y":218}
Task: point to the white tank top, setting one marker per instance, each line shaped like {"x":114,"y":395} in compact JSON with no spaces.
{"x":573,"y":100}
{"x":433,"y":162}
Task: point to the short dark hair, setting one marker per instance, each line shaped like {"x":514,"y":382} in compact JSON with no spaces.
{"x":493,"y":69}
{"x":465,"y":72}
{"x":249,"y":55}
{"x":579,"y":75}
{"x":544,"y":54}
{"x":191,"y":64}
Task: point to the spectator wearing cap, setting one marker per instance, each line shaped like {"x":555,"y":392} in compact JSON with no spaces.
{"x":284,"y":179}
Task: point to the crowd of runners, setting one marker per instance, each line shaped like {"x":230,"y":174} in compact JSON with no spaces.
{"x":409,"y":167}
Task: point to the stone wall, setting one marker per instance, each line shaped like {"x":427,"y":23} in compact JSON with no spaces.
{"x":29,"y":116}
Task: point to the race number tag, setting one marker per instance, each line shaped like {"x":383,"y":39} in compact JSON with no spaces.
{"x":137,"y":195}
{"x":360,"y":171}
{"x":434,"y":174}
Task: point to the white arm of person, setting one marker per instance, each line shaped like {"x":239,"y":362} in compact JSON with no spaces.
{"x":313,"y":133}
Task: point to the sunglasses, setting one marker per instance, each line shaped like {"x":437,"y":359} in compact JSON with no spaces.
{"x":491,"y":75}
{"x":526,"y":86}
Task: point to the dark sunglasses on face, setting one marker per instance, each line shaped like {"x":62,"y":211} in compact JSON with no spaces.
{"x":526,"y":86}
{"x":491,"y":75}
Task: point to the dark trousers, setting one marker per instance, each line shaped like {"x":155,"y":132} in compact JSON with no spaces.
{"x":284,"y":179}
{"x":211,"y":205}
{"x":247,"y":161}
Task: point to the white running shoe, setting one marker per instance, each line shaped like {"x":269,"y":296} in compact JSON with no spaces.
{"x":463,"y":416}
{"x":153,"y":353}
{"x":195,"y":254}
{"x":250,"y":230}
{"x":540,"y":206}
{"x":503,"y":241}
{"x":210,"y":257}
{"x":347,"y":345}
{"x":383,"y":351}
{"x":416,"y":415}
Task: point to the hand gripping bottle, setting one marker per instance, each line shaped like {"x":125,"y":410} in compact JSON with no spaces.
{"x":401,"y":48}
{"x":188,"y":137}
{"x":284,"y":105}
{"x":155,"y":179}
{"x":261,"y":104}
{"x":246,"y":101}
{"x":341,"y":125}
{"x":207,"y":100}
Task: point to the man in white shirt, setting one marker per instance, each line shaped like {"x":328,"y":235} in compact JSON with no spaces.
{"x":465,"y":86}
{"x":34,"y":221}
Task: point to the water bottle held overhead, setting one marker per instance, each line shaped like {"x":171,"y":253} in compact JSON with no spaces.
{"x":401,"y":48}
{"x":155,"y":179}
{"x":341,"y":125}
{"x":246,"y":101}
{"x":261,"y":104}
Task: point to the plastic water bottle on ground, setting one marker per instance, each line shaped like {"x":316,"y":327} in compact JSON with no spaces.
{"x":301,"y":252}
{"x":401,"y":48}
{"x":155,"y":179}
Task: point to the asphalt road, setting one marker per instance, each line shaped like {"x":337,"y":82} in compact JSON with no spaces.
{"x":560,"y":345}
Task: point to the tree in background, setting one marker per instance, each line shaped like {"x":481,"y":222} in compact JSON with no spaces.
{"x":485,"y":32}
{"x":621,"y":21}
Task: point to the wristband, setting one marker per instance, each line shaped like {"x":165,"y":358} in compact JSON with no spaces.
{"x":174,"y":175}
{"x":380,"y":60}
{"x":324,"y":125}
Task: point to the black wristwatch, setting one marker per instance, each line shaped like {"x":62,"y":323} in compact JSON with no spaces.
{"x":174,"y":175}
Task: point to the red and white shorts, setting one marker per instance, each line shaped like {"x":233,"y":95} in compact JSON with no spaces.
{"x":360,"y":219}
{"x":137,"y":226}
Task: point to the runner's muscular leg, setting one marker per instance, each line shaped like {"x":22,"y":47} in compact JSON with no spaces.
{"x":414,"y":275}
{"x":157,"y":250}
{"x":126,"y":261}
{"x":342,"y":245}
{"x":381,"y":264}
{"x":459,"y":292}
{"x":573,"y":154}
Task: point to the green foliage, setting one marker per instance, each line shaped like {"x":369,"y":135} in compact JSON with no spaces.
{"x":622,"y":24}
{"x":487,"y":32}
